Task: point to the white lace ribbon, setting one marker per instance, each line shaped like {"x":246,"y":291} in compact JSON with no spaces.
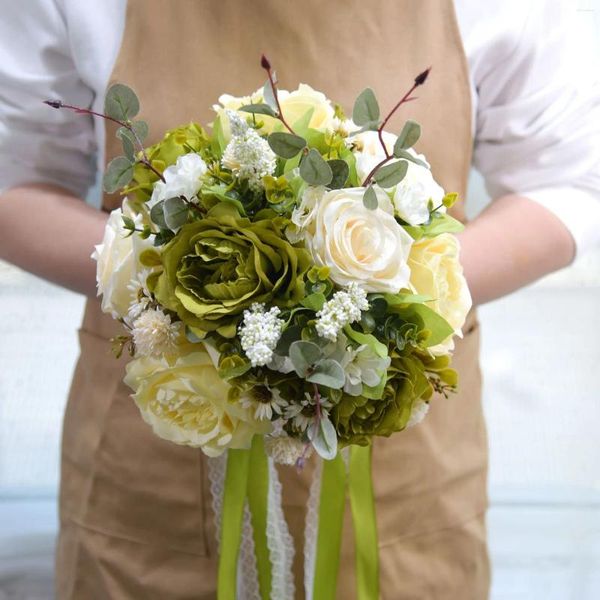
{"x":279,"y":539}
{"x":311,"y":528}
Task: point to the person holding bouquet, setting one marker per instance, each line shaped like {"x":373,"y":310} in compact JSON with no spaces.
{"x":135,"y":509}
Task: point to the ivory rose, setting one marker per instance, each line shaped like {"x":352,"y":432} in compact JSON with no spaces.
{"x":358,"y":244}
{"x":436,"y":272}
{"x":117,"y":262}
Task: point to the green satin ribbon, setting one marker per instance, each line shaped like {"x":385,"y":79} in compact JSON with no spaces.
{"x":329,"y":537}
{"x":362,"y":503}
{"x":234,"y":496}
{"x":258,"y":490}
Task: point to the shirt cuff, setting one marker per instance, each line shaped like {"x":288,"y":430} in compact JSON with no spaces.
{"x":577,"y":208}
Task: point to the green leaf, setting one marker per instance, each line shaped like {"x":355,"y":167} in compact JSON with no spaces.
{"x":259,"y":109}
{"x":313,"y":301}
{"x":121,"y":102}
{"x":405,"y":154}
{"x":367,"y":340}
{"x":128,"y":148}
{"x":314,"y":170}
{"x":409,"y":136}
{"x":286,"y":145}
{"x":304,"y":355}
{"x":157,"y":215}
{"x":288,"y":337}
{"x":442,"y":223}
{"x":341,"y":171}
{"x":392,"y":174}
{"x":176,"y":213}
{"x":323,"y":437}
{"x":370,"y":198}
{"x":140,"y":128}
{"x":328,"y":372}
{"x":301,"y":125}
{"x":128,"y":223}
{"x":118,"y":174}
{"x":163,"y":236}
{"x":366,"y":108}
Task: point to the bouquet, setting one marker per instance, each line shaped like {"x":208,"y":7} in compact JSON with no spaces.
{"x":289,"y":284}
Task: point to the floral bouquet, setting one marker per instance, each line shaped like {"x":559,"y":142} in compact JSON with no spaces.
{"x":289,"y":284}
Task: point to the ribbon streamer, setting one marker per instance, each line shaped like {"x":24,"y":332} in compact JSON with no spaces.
{"x":362,"y":503}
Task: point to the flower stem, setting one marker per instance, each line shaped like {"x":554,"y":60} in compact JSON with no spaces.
{"x":86,"y":111}
{"x":266,"y":65}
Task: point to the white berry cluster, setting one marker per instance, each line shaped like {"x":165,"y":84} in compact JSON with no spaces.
{"x":260,"y":333}
{"x":154,"y":334}
{"x":247,"y":155}
{"x":344,"y":308}
{"x":285,"y":450}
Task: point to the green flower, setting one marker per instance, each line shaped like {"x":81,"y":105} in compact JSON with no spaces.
{"x":358,"y":418}
{"x":217,"y":267}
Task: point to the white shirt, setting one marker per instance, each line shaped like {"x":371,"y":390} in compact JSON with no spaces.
{"x":536,"y":120}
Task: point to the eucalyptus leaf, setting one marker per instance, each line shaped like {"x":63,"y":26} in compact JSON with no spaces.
{"x":370,"y":198}
{"x":323,"y":437}
{"x":409,"y":136}
{"x":163,"y":236}
{"x":341,"y":171}
{"x":328,"y":372}
{"x":176,"y":213}
{"x":259,"y":109}
{"x":121,"y":102}
{"x":286,"y":145}
{"x":390,"y":175}
{"x":366,"y":108}
{"x":304,"y":355}
{"x":314,"y":169}
{"x":157,"y":215}
{"x":118,"y":174}
{"x":128,"y":148}
{"x":405,"y":154}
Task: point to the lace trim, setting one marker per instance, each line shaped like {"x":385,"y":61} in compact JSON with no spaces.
{"x":311,"y":527}
{"x":279,"y":541}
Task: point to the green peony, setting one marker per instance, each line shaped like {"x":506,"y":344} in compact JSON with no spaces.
{"x":358,"y":418}
{"x":218,"y":266}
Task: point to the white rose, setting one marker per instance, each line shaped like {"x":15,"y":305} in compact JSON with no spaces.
{"x":358,"y":244}
{"x":413,"y":193}
{"x":181,"y":179}
{"x":117,"y":258}
{"x":436,"y":272}
{"x":369,"y":152}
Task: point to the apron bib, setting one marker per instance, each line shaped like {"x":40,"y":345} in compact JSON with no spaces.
{"x":136,"y":516}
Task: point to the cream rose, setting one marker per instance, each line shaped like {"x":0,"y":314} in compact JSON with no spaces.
{"x":358,"y":244}
{"x":185,"y":401}
{"x":294,"y":105}
{"x":436,"y":272}
{"x":117,"y":262}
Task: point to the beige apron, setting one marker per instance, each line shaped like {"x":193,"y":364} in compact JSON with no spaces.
{"x":136,"y":518}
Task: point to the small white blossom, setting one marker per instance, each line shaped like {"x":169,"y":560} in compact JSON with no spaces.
{"x":343,"y":127}
{"x":181,"y":179}
{"x":140,"y":293}
{"x":248,"y":155}
{"x":154,"y":334}
{"x":286,"y":450}
{"x":260,"y":333}
{"x":344,"y":308}
{"x":265,"y":402}
{"x":419,"y":410}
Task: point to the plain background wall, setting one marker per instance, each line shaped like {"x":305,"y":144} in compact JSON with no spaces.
{"x":541,"y":351}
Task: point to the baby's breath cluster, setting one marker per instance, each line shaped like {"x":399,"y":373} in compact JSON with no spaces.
{"x":345,"y":307}
{"x":248,"y":155}
{"x":259,"y":333}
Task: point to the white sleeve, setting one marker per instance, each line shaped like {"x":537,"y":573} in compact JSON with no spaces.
{"x":39,"y":144}
{"x":538,"y":119}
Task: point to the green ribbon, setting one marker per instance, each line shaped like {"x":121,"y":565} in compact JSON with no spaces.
{"x":362,"y":503}
{"x":234,"y":496}
{"x":258,"y":492}
{"x":329,"y":537}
